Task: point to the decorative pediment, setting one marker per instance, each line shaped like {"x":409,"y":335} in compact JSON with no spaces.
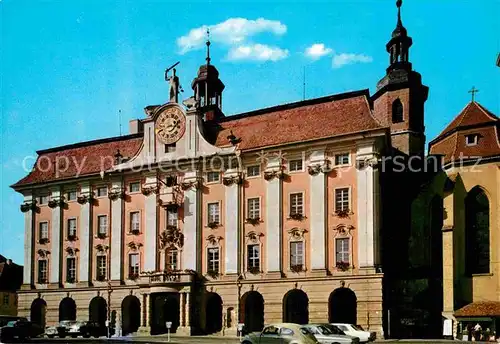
{"x":101,"y":248}
{"x":171,"y":237}
{"x":214,"y":240}
{"x":296,"y":233}
{"x":254,"y":237}
{"x":43,"y":253}
{"x":71,"y":251}
{"x":343,"y":229}
{"x":134,"y":246}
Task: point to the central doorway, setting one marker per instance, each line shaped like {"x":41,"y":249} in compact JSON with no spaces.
{"x":166,"y":307}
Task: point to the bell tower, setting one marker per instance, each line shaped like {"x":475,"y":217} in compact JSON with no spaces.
{"x":208,"y":89}
{"x":399,"y":100}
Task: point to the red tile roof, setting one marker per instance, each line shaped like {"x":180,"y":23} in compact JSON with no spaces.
{"x":474,"y":119}
{"x":473,"y":114}
{"x":479,"y":309}
{"x":308,"y":120}
{"x":90,"y":157}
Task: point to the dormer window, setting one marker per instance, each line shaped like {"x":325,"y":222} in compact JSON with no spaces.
{"x":472,"y":139}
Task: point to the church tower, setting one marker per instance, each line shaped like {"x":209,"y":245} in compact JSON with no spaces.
{"x":400,"y":96}
{"x":208,"y":89}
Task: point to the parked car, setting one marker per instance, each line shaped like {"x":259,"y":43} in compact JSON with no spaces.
{"x":63,"y":327}
{"x":285,"y":333}
{"x":95,"y":329}
{"x":326,"y":336}
{"x":51,"y":331}
{"x":357,"y":331}
{"x":21,"y":329}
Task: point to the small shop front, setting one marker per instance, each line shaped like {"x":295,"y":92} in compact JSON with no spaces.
{"x":479,"y":321}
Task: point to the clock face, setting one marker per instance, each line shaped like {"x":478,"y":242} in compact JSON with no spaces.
{"x":170,"y":125}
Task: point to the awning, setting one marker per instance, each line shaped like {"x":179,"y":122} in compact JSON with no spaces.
{"x":481,"y":309}
{"x":474,"y":319}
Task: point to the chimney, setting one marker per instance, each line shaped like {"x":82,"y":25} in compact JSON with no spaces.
{"x":135,"y":126}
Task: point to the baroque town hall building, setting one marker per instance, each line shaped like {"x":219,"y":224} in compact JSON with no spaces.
{"x":207,"y":220}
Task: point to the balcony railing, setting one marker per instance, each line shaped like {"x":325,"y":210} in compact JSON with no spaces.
{"x":160,"y":277}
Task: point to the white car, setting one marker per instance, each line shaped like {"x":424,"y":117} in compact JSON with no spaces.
{"x":324,"y":335}
{"x":357,"y":331}
{"x":285,"y":333}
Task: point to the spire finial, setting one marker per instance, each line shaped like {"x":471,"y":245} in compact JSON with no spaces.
{"x":208,"y":46}
{"x":399,"y":3}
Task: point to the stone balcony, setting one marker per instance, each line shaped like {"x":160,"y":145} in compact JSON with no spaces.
{"x":166,"y":277}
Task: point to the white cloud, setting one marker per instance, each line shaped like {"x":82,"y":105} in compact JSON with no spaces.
{"x":340,"y":60}
{"x":256,"y":52}
{"x":317,"y":50}
{"x":231,"y":31}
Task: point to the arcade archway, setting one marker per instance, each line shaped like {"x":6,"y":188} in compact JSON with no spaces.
{"x":131,"y":314}
{"x":98,"y":310}
{"x":67,"y":309}
{"x":252,"y":311}
{"x":213,"y":311}
{"x":296,"y":307}
{"x":37,"y":312}
{"x":166,"y":308}
{"x":342,"y":306}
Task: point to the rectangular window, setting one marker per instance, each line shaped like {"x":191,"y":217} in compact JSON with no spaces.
{"x":71,"y":270}
{"x":295,"y":165}
{"x":213,"y":213}
{"x":213,"y":259}
{"x":102,"y":191}
{"x":44,"y":199}
{"x":253,"y":171}
{"x":42,"y":271}
{"x":102,"y":224}
{"x":135,"y":223}
{"x":172,"y":217}
{"x":134,"y":187}
{"x":171,"y":181}
{"x":342,"y":199}
{"x":471,"y":140}
{"x":172,"y":260}
{"x":342,"y":159}
{"x":213,"y":177}
{"x":254,"y":208}
{"x":101,"y":268}
{"x":296,"y":203}
{"x":297,"y":254}
{"x":71,"y":228}
{"x":44,"y":230}
{"x":253,"y":262}
{"x":71,"y":195}
{"x":6,"y":299}
{"x":342,"y":250}
{"x":170,"y":148}
{"x":133,"y":265}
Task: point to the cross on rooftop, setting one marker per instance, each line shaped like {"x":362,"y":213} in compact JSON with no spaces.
{"x":473,"y":91}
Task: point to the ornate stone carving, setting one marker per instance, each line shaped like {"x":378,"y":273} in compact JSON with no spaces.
{"x":27,"y":206}
{"x":147,"y":190}
{"x":72,"y":251}
{"x":343,"y":229}
{"x":230,"y":180}
{"x":134,"y":246}
{"x":296,"y":233}
{"x":254,"y":237}
{"x":315,"y":169}
{"x":189,"y":184}
{"x":57,"y":202}
{"x":82,"y":199}
{"x":270,"y":175}
{"x":368,"y":161}
{"x":101,"y":248}
{"x":43,"y":253}
{"x":171,"y":237}
{"x":214,"y":240}
{"x":115,"y":194}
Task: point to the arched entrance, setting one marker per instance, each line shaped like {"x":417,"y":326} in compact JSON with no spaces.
{"x":213,"y":312}
{"x":67,"y":309}
{"x":165,"y":309}
{"x":37,"y":312}
{"x":131,"y":314}
{"x":342,"y":306}
{"x":296,"y":307}
{"x":252,"y":311}
{"x":98,"y":310}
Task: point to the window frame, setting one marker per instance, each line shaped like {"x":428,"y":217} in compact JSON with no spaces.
{"x":219,"y":215}
{"x":475,"y":140}
{"x":255,"y":175}
{"x":211,"y":173}
{"x":258,"y":198}
{"x":75,"y":192}
{"x":289,"y":163}
{"x":349,"y":249}
{"x":212,"y":260}
{"x":348,"y":163}
{"x":302,"y":205}
{"x":41,"y":197}
{"x":101,"y":257}
{"x":39,"y":279}
{"x":302,"y":255}
{"x":170,"y":255}
{"x":69,"y":269}
{"x":131,"y":222}
{"x":134,"y":270}
{"x":170,"y":148}
{"x":251,"y":259}
{"x":136,"y":182}
{"x":40,"y":237}
{"x":100,"y":188}
{"x":349,"y":199}
{"x":100,"y":216}
{"x":68,"y":220}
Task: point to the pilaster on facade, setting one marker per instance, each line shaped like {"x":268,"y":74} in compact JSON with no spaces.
{"x":191,"y":254}
{"x":116,"y":195}
{"x":273,"y":173}
{"x":232,"y":179}
{"x":150,"y":190}
{"x":317,"y":168}
{"x":56,"y":203}
{"x":368,"y":199}
{"x":449,"y":273}
{"x":85,"y":200}
{"x":28,"y":208}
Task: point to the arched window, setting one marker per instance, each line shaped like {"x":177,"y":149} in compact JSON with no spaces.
{"x":397,"y":111}
{"x":477,"y":232}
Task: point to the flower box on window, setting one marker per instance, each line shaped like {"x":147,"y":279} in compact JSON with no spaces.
{"x":254,"y":270}
{"x":342,"y":213}
{"x":133,"y":276}
{"x":101,"y":278}
{"x":297,"y":268}
{"x":72,"y":237}
{"x":43,"y":241}
{"x":296,"y":216}
{"x":213,"y":224}
{"x":70,"y":280}
{"x":101,"y":235}
{"x":213,"y":273}
{"x":343,"y":266}
{"x":135,"y":231}
{"x":253,"y":220}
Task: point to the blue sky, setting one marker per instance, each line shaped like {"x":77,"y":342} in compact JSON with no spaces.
{"x":68,"y":67}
